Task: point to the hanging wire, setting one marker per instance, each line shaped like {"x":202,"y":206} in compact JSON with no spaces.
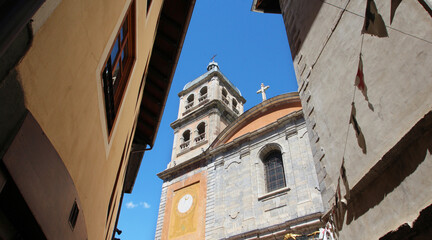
{"x":352,"y":102}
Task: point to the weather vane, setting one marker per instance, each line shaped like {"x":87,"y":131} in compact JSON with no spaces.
{"x":212,"y":58}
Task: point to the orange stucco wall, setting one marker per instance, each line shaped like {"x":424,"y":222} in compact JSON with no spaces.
{"x":264,"y":120}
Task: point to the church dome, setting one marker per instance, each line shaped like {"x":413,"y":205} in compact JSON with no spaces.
{"x":211,"y":67}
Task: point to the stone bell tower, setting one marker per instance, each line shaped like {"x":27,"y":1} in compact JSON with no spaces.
{"x":207,"y":105}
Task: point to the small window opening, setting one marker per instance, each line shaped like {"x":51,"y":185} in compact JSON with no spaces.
{"x":186,"y":136}
{"x":201,"y":128}
{"x":224,"y":96}
{"x":201,"y":132}
{"x":234,"y":103}
{"x":203,"y":91}
{"x":224,"y":92}
{"x":234,"y":106}
{"x":73,"y":216}
{"x":190,"y":101}
{"x":203,"y":94}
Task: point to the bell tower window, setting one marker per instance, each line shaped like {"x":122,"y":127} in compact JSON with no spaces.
{"x":203,"y":94}
{"x":224,"y":96}
{"x":201,"y":132}
{"x":190,"y":101}
{"x":186,"y":138}
{"x":234,"y":106}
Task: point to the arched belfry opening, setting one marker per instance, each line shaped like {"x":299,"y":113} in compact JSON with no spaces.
{"x":201,"y":132}
{"x":186,"y":135}
{"x":203,"y":94}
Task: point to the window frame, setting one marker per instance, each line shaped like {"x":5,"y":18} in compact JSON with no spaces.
{"x":269,"y":157}
{"x":126,"y":48}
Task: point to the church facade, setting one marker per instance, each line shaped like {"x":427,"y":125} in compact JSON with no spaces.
{"x":235,"y":174}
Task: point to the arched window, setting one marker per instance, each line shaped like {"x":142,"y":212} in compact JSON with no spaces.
{"x":186,"y":136}
{"x":234,"y":103}
{"x":201,"y":128}
{"x":203,"y":94}
{"x":201,"y":132}
{"x":203,"y":91}
{"x":224,"y":93}
{"x":224,"y":96}
{"x":234,"y":106}
{"x":274,"y":171}
{"x":190,"y":101}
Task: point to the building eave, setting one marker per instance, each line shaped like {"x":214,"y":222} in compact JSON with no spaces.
{"x":156,"y":80}
{"x":266,"y":6}
{"x":207,"y":76}
{"x":213,"y":104}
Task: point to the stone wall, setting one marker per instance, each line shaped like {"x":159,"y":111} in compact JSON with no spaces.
{"x":241,"y":204}
{"x":326,"y":42}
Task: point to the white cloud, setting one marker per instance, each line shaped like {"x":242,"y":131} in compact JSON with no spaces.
{"x":145,"y":204}
{"x":131,"y":205}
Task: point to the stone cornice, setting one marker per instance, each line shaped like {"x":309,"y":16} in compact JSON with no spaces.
{"x":213,"y":105}
{"x":222,"y":77}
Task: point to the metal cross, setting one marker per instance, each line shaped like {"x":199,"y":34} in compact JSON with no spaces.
{"x":262,"y":91}
{"x":212,"y":58}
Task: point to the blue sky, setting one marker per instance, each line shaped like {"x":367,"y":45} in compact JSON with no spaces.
{"x":251,"y":48}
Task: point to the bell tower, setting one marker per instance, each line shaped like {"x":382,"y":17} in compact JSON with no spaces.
{"x":207,"y":105}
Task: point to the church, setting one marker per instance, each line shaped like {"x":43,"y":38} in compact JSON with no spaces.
{"x":236,"y":174}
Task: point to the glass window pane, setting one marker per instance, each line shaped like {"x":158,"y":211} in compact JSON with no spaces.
{"x":114,"y":51}
{"x":116,"y":76}
{"x":275,"y":177}
{"x":125,"y":52}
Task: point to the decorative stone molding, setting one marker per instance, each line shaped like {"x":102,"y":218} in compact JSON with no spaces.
{"x":234,"y":215}
{"x":238,"y":162}
{"x":290,"y":131}
{"x":274,"y":194}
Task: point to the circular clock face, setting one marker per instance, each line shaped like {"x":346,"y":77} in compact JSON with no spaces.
{"x":185,"y":203}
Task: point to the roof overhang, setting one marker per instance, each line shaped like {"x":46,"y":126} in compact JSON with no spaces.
{"x":189,"y":87}
{"x":266,"y":6}
{"x":171,"y":31}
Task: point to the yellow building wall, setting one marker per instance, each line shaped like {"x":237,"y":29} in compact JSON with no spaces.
{"x":60,"y":76}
